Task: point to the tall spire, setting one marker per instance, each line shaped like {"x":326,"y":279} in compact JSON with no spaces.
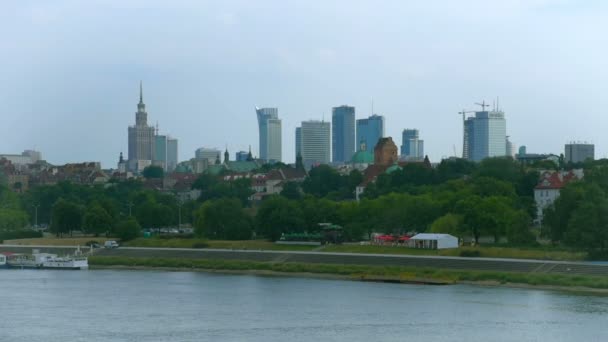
{"x":141,"y":92}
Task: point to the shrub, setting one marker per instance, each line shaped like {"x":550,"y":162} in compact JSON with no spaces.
{"x":19,"y":234}
{"x":470,"y":253}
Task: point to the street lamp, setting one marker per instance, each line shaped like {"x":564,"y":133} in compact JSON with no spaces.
{"x":36,"y":215}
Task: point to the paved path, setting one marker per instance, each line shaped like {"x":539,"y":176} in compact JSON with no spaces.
{"x":441,"y":262}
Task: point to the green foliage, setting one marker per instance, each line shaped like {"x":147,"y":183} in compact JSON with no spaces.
{"x":278,"y":215}
{"x":448,"y":224}
{"x":154,"y":215}
{"x":12,"y":220}
{"x":292,"y":191}
{"x":128,"y":230}
{"x":67,"y":217}
{"x":19,"y":234}
{"x":153,"y":171}
{"x":212,"y":188}
{"x":97,"y":220}
{"x":223,"y":219}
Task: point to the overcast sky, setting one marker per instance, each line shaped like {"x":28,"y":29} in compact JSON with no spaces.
{"x":70,"y":70}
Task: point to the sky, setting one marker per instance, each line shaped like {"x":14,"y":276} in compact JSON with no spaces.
{"x":70,"y":70}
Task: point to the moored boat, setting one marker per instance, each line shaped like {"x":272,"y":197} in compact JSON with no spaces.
{"x":47,"y":261}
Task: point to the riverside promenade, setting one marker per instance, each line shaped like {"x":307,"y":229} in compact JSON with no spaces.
{"x":438,"y":262}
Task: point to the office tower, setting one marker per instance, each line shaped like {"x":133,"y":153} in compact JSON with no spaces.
{"x":141,"y":138}
{"x":412,"y":148}
{"x":209,"y":154}
{"x":370,"y":130}
{"x":160,"y":147}
{"x":510,"y":148}
{"x":242,"y":155}
{"x":172,"y":154}
{"x":269,"y":126}
{"x":486,"y":134}
{"x":579,"y":152}
{"x":343,"y":133}
{"x":315,"y":142}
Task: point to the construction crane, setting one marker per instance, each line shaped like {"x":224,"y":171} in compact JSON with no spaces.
{"x":483,"y":105}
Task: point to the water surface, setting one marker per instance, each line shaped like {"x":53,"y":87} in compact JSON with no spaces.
{"x":113,"y":305}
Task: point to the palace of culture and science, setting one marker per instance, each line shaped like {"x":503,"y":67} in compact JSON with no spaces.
{"x":146,"y":146}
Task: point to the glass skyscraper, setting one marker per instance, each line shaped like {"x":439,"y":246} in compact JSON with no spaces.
{"x":269,"y":126}
{"x":369,"y":131}
{"x":343,"y":133}
{"x":486,"y":135}
{"x":412,"y":148}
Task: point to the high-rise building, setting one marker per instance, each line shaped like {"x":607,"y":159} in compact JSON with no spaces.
{"x":160,"y":148}
{"x":210,"y":154}
{"x":370,"y":130}
{"x":269,"y":126}
{"x":315,"y":142}
{"x":510,"y":148}
{"x":141,"y":138}
{"x":579,"y":152}
{"x":412,"y":148}
{"x":172,"y":154}
{"x":486,"y":135}
{"x":242,"y":155}
{"x":343,"y":133}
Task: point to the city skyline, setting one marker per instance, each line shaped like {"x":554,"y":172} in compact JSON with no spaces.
{"x":421,"y":63}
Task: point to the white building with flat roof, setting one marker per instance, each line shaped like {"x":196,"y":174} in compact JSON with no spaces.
{"x":315,"y":142}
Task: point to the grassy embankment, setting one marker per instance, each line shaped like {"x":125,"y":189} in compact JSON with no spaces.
{"x":361,"y":272}
{"x":539,"y":253}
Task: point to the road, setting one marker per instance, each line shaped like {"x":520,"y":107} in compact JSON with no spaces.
{"x":440,"y":262}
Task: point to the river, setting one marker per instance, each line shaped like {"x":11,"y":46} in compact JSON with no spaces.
{"x":118,"y":305}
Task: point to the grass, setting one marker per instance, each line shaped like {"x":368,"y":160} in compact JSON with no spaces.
{"x":362,"y":272}
{"x":55,"y":241}
{"x":539,"y":253}
{"x":484,"y":251}
{"x":220,"y":244}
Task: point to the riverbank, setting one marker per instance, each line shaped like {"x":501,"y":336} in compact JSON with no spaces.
{"x":394,"y":274}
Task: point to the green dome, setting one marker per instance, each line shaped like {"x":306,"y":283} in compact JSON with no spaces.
{"x":393,"y":168}
{"x":362,"y":157}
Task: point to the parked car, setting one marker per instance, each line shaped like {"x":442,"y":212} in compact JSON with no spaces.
{"x":110,"y":244}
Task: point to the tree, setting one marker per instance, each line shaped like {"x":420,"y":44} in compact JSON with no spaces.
{"x":12,"y":220}
{"x":292,"y":191}
{"x":278,"y":215}
{"x":97,"y":220}
{"x":447,"y":224}
{"x":153,"y":171}
{"x":128,"y":229}
{"x":153,"y":215}
{"x":67,"y":217}
{"x":322,"y":180}
{"x":223,"y":219}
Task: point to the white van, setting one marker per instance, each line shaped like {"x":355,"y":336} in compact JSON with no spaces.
{"x":110,"y":244}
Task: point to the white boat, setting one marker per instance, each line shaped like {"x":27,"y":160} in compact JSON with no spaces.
{"x":48,"y":261}
{"x":66,"y":263}
{"x":2,"y":261}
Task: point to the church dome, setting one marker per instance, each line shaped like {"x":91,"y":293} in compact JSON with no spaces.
{"x":362,"y":157}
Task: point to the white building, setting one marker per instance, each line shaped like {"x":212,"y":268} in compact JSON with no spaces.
{"x":549,"y":186}
{"x":486,"y":135}
{"x":315,"y":144}
{"x":210,"y":154}
{"x":269,"y":126}
{"x":434,"y":241}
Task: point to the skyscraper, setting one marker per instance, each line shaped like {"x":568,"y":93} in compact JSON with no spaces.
{"x":370,"y":130}
{"x":172,"y":154}
{"x":579,"y":152}
{"x":141,"y":138}
{"x":343,"y":133}
{"x":160,"y":148}
{"x":269,"y":126}
{"x":315,"y":142}
{"x":486,"y":134}
{"x":412,"y":148}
